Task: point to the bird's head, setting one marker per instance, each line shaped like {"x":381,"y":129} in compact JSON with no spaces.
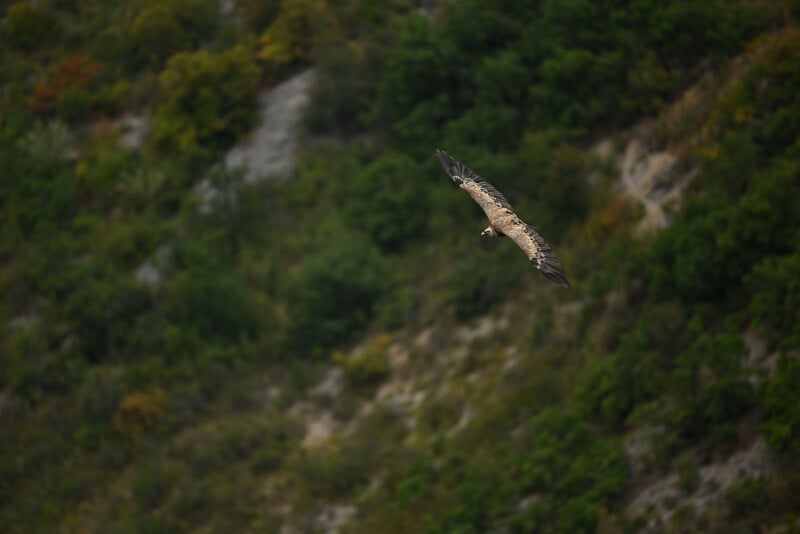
{"x":489,"y":232}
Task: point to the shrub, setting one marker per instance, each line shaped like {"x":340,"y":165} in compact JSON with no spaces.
{"x":47,"y":144}
{"x":207,"y":99}
{"x":97,"y":304}
{"x":36,"y":370}
{"x":780,"y":403}
{"x":299,"y":26}
{"x":415,"y":487}
{"x":386,"y":201}
{"x":715,"y":413}
{"x":156,"y":34}
{"x":575,"y":471}
{"x":333,"y":293}
{"x":162,"y":28}
{"x":481,"y":493}
{"x":29,"y":26}
{"x":578,"y":86}
{"x":194,"y":502}
{"x":652,"y":82}
{"x":113,"y":45}
{"x":151,"y":485}
{"x":367,"y":366}
{"x":775,"y":284}
{"x":567,"y":469}
{"x":100,"y":305}
{"x":258,"y":13}
{"x":562,"y":194}
{"x":47,"y":198}
{"x":493,"y":126}
{"x":98,"y":399}
{"x":139,"y":412}
{"x":415,"y":72}
{"x":688,"y":473}
{"x":101,"y":168}
{"x":610,"y":390}
{"x":748,"y":502}
{"x":502,"y":79}
{"x":67,"y":87}
{"x":264,"y":442}
{"x":440,"y":414}
{"x":74,"y":103}
{"x":755,"y":223}
{"x":343,"y":89}
{"x":213,"y":303}
{"x":481,"y":278}
{"x":334,"y":474}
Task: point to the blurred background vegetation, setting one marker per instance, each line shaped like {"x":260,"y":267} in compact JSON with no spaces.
{"x":131,"y":404}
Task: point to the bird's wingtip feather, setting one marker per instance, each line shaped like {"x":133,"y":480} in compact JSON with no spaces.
{"x":554,"y":273}
{"x":446,"y":160}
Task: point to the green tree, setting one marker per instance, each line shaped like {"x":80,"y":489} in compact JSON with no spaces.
{"x":156,"y":34}
{"x":561,"y":193}
{"x":775,"y":286}
{"x":611,"y":389}
{"x":344,"y":87}
{"x":29,"y":25}
{"x":780,"y":402}
{"x":162,"y":28}
{"x":415,"y":72}
{"x":387,"y":201}
{"x":208,"y":299}
{"x":707,"y":253}
{"x":298,"y":28}
{"x":39,"y":180}
{"x":480,"y":278}
{"x":207,"y":99}
{"x":578,"y":87}
{"x":334,"y":292}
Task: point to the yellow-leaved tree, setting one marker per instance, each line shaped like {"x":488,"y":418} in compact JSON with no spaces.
{"x":299,"y":27}
{"x":207,"y":99}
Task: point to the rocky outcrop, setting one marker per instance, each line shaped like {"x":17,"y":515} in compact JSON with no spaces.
{"x":269,"y":149}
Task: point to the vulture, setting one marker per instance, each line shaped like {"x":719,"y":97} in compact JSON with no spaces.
{"x":502,"y":219}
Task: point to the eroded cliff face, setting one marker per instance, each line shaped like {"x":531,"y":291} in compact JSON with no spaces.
{"x":431,"y":385}
{"x":458,"y":372}
{"x":436,"y":366}
{"x":655,"y":178}
{"x":268,"y":151}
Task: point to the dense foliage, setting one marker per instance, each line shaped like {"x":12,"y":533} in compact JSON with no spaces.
{"x":158,"y":346}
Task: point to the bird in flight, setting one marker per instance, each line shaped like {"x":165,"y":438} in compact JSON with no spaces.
{"x":502,"y":219}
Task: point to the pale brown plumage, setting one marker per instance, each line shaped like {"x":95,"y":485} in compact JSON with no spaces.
{"x":503,"y":220}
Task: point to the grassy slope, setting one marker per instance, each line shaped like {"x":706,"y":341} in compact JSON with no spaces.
{"x":127,"y":409}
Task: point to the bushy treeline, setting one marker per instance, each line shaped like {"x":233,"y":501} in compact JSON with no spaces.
{"x":129,"y":305}
{"x":721,"y":268}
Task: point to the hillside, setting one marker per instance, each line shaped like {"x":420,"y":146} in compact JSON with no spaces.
{"x":240,"y":295}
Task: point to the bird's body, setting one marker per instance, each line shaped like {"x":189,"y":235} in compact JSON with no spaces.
{"x":502,"y":219}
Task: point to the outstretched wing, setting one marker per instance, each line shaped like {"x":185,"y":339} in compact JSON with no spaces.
{"x":503,"y":219}
{"x":484,"y":193}
{"x":538,"y":251}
